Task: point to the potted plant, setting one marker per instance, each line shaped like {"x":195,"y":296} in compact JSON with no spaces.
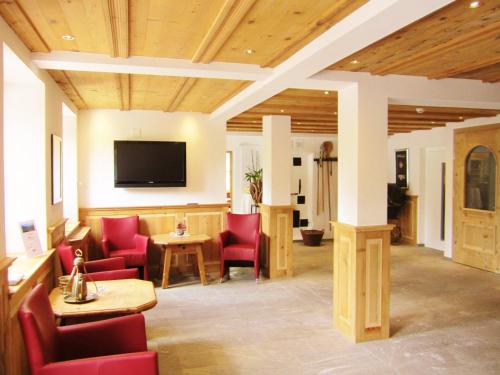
{"x":254,"y":178}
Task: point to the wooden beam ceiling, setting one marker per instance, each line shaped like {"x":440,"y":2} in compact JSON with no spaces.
{"x":456,"y":41}
{"x":317,"y":113}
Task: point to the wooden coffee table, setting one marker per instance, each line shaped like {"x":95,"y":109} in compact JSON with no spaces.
{"x":117,"y":297}
{"x":191,"y":244}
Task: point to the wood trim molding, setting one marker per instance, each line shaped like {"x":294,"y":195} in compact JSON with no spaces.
{"x":185,"y":86}
{"x":116,"y":13}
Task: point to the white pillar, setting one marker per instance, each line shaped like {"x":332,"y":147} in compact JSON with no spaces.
{"x":277,"y":160}
{"x":362,"y":176}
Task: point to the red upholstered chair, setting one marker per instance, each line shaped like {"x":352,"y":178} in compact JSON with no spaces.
{"x":98,"y":270}
{"x":112,"y":346}
{"x":121,"y":238}
{"x":239,"y":243}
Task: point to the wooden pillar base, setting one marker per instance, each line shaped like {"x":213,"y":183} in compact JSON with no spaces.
{"x":361,"y":289}
{"x":276,"y":247}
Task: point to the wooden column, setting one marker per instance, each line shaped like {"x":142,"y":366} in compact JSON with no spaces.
{"x":276,"y":250}
{"x":361,"y":285}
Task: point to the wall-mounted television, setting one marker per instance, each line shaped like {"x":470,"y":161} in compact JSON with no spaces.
{"x":150,"y":163}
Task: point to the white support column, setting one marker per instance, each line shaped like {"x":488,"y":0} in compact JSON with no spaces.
{"x":276,"y":209}
{"x":362,"y":155}
{"x":277,"y":136}
{"x":361,"y":236}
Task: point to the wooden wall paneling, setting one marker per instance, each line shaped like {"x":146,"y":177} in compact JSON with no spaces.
{"x":408,"y":219}
{"x":4,"y":312}
{"x":35,"y":270}
{"x":361,"y":285}
{"x":207,"y":219}
{"x":277,"y":244}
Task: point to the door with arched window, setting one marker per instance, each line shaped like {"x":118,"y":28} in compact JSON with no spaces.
{"x":476,"y":216}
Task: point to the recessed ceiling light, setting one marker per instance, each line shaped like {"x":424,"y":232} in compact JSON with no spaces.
{"x":354,"y":62}
{"x":334,"y":113}
{"x":68,"y":37}
{"x":249,"y":51}
{"x":461,"y":117}
{"x":419,"y":110}
{"x":433,"y":122}
{"x":326,"y":92}
{"x":282,"y":110}
{"x":474,"y":4}
{"x":299,"y":123}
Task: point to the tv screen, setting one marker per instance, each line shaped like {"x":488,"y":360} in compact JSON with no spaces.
{"x":150,"y":164}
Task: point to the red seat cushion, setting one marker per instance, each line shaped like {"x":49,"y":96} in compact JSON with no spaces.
{"x":240,"y":251}
{"x":132,"y":256}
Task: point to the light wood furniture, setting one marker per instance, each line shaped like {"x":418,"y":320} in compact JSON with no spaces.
{"x":206,"y":219}
{"x":192,"y":244}
{"x":277,"y":244}
{"x":408,"y":221}
{"x":361,"y":285}
{"x":476,"y":236}
{"x":128,"y":296}
{"x":80,"y":239}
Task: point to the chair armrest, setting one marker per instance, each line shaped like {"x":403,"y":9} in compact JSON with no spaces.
{"x":123,"y":364}
{"x":107,"y":264}
{"x":127,"y":273}
{"x":125,"y":334}
{"x":105,"y":247}
{"x":141,"y":243}
{"x":224,"y":238}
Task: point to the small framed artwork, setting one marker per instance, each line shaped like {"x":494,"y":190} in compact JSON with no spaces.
{"x":402,"y":168}
{"x":56,"y":169}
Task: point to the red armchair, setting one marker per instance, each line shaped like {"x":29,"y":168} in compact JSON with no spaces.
{"x":112,"y":346}
{"x":98,"y":270}
{"x":121,"y":238}
{"x":240,"y":242}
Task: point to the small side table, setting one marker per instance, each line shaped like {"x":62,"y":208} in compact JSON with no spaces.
{"x":190,"y":244}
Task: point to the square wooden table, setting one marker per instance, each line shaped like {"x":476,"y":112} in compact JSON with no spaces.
{"x":117,"y":297}
{"x":188,"y":244}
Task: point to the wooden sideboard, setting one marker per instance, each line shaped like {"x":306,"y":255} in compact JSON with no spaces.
{"x":206,"y":219}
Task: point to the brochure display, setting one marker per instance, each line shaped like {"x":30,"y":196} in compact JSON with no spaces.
{"x":30,"y":237}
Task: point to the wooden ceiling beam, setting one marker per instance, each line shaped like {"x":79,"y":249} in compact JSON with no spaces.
{"x":116,"y":13}
{"x":63,"y":80}
{"x":18,"y":20}
{"x":467,"y":68}
{"x":460,"y":41}
{"x":224,"y":25}
{"x":124,"y":88}
{"x":184,"y":87}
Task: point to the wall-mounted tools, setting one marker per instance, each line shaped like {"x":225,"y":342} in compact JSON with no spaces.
{"x":325,"y":170}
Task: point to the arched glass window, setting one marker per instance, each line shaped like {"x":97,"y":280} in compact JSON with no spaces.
{"x":480,"y":179}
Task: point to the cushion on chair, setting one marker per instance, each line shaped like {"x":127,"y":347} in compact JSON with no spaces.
{"x":243,"y":251}
{"x":132,"y":257}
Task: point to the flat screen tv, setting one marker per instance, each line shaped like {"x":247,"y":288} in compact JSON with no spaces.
{"x":150,"y":164}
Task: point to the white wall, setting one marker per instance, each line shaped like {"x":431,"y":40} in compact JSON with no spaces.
{"x":70,"y":164}
{"x":54,"y":98}
{"x":303,"y":145}
{"x":418,"y":143}
{"x":97,"y":129}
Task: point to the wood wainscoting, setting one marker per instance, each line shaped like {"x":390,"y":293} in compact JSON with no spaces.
{"x":206,"y":219}
{"x":277,"y":244}
{"x":361,"y":284}
{"x":408,"y":221}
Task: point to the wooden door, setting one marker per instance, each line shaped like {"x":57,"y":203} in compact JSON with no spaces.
{"x":476,"y":198}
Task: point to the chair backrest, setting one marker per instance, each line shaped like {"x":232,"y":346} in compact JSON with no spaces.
{"x":67,"y":257}
{"x":120,"y":231}
{"x":243,"y":227}
{"x":39,"y":329}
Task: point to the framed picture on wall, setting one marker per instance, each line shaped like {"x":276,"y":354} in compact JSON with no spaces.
{"x":56,"y":169}
{"x":402,"y":168}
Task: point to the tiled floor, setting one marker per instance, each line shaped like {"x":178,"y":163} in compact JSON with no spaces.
{"x":445,"y":319}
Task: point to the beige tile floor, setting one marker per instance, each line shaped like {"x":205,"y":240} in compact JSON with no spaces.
{"x":445,"y":319}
